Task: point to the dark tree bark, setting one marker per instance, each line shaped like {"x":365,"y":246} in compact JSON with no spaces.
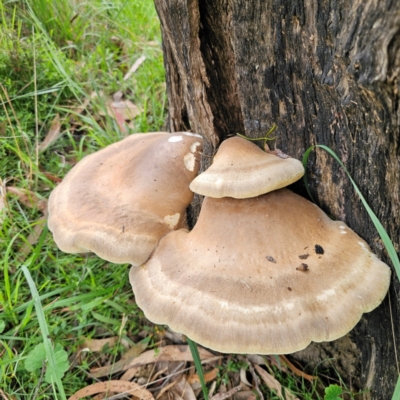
{"x":326,"y":72}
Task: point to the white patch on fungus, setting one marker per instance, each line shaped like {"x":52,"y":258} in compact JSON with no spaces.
{"x":194,"y":146}
{"x":174,"y":139}
{"x":225,"y":305}
{"x":342,"y":227}
{"x":172,"y":220}
{"x":191,"y":134}
{"x":289,"y":306}
{"x":362,"y":244}
{"x":326,"y":294}
{"x":189,"y":161}
{"x":277,"y":310}
{"x":343,"y":232}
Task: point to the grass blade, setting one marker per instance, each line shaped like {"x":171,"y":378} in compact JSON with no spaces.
{"x":379,"y":227}
{"x":199,"y":368}
{"x":396,"y":394}
{"x":45,"y":332}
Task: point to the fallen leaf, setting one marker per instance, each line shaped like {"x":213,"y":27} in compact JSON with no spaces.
{"x":171,"y":353}
{"x":95,"y":345}
{"x":210,"y":391}
{"x":28,"y":198}
{"x":130,"y":388}
{"x":120,"y":365}
{"x":256,"y":359}
{"x":120,"y":110}
{"x":295,"y":370}
{"x":167,"y":353}
{"x":245,"y":395}
{"x":208,"y":377}
{"x":184,"y":390}
{"x":123,"y":108}
{"x":225,"y":395}
{"x":51,"y":177}
{"x":273,"y":384}
{"x":120,"y":121}
{"x":52,"y":135}
{"x":165,"y":389}
{"x":243,"y":378}
{"x":129,"y":374}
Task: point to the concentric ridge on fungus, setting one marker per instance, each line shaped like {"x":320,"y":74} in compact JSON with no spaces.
{"x":263,"y":275}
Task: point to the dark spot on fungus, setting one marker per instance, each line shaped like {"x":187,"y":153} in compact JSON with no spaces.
{"x":302,"y":267}
{"x":319,"y":249}
{"x":304,"y":256}
{"x":289,"y":288}
{"x":271,"y":259}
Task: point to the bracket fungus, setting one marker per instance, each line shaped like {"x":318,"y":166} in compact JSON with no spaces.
{"x":240,"y":169}
{"x":265,"y":275}
{"x":119,"y":201}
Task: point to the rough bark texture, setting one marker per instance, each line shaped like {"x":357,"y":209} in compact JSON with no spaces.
{"x":326,"y":72}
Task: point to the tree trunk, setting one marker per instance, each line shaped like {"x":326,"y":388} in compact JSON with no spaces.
{"x":326,"y":72}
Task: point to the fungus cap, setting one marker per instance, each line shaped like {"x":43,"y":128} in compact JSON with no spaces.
{"x":119,"y":201}
{"x":265,"y":275}
{"x":240,"y":169}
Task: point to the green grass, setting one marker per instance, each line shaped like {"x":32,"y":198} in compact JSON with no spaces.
{"x":53,"y":56}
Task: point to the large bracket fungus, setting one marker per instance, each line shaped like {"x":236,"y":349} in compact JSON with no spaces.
{"x":263,"y":275}
{"x":259,"y":273}
{"x":119,"y":201}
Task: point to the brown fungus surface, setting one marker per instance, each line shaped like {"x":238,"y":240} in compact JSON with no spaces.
{"x":119,"y":201}
{"x":233,"y":283}
{"x":240,"y":169}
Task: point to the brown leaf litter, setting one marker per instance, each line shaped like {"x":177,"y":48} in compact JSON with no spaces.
{"x":168,"y":373}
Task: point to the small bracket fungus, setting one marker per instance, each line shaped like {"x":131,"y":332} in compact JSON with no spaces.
{"x":241,"y":169}
{"x":119,"y":201}
{"x":236,"y":282}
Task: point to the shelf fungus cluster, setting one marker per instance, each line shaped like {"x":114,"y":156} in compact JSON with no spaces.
{"x":263,"y":270}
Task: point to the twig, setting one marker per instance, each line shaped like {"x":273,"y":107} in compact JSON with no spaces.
{"x":174,"y":371}
{"x":256,"y":380}
{"x":35,"y":393}
{"x":225,"y":395}
{"x":3,"y":395}
{"x":134,"y":67}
